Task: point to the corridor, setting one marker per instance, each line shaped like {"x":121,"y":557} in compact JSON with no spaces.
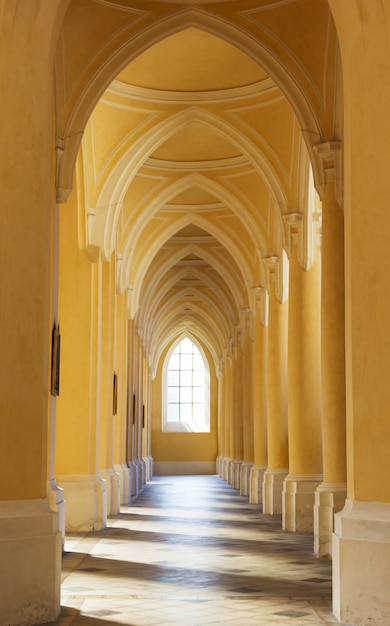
{"x":190,"y":550}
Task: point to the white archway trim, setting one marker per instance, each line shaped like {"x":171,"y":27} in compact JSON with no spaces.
{"x":124,"y":50}
{"x":173,"y":330}
{"x":240,"y":298}
{"x":110,"y":199}
{"x":224,"y":310}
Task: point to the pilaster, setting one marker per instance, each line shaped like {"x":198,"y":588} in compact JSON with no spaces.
{"x":259,"y":398}
{"x":304,"y":396}
{"x":277,"y":410}
{"x":332,"y":492}
{"x":247,"y":378}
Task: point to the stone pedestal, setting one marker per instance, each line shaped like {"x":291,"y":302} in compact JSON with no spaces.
{"x":30,"y":562}
{"x":230,"y":472}
{"x":55,"y":496}
{"x":244,"y":478}
{"x":147,"y":466}
{"x":133,"y":471}
{"x":329,"y":499}
{"x":236,"y":474}
{"x":124,"y":480}
{"x":140,"y":475}
{"x":256,"y":484}
{"x":225,"y":469}
{"x":273,"y":481}
{"x":112,"y":479}
{"x":86,"y":501}
{"x":361,"y":563}
{"x":298,"y":502}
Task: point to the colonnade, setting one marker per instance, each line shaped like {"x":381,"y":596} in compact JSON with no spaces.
{"x":102,"y":435}
{"x":290,"y":388}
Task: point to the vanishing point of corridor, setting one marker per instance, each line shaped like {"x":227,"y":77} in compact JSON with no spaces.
{"x":190,"y":550}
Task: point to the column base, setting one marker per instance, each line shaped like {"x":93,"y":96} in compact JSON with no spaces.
{"x":223,"y":468}
{"x":55,"y":496}
{"x":113,"y":504}
{"x":148,"y":473}
{"x":124,"y":481}
{"x":230,"y":472}
{"x":361,"y":563}
{"x":133,"y":471}
{"x":298,"y":502}
{"x":30,"y":562}
{"x":140,"y":475}
{"x":245,"y":472}
{"x":273,"y":481}
{"x":256,"y":484}
{"x":236,"y":473}
{"x":218,"y":465}
{"x":329,"y":499}
{"x":86,"y":501}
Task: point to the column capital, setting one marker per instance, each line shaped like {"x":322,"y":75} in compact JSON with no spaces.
{"x":276,"y":270}
{"x":329,"y":167}
{"x":304,"y":231}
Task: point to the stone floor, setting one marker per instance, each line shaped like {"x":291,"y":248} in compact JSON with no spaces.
{"x":190,"y":550}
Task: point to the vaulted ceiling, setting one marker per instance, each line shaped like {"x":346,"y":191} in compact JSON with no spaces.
{"x":195,"y":124}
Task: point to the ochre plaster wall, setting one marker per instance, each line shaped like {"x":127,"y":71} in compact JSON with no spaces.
{"x":74,"y":433}
{"x":185,"y":447}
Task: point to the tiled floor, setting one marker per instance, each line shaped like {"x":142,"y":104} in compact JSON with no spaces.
{"x":191,"y":550}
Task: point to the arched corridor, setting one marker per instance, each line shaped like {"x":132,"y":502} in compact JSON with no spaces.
{"x":190,"y":550}
{"x":215,"y":170}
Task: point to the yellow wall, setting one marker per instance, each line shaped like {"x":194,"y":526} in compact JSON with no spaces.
{"x":183,"y":446}
{"x":75,"y":301}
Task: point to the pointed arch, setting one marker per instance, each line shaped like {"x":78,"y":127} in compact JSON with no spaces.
{"x":123,"y":172}
{"x":126,"y":46}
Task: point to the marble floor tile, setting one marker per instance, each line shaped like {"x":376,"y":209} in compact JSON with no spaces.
{"x":190,"y":550}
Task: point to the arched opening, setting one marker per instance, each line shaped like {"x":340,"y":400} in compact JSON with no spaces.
{"x":186,"y":388}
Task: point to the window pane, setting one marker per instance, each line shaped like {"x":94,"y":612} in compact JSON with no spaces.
{"x":174,"y":362}
{"x":173,"y":394}
{"x":198,"y":379}
{"x":173,"y":378}
{"x":185,"y":379}
{"x":198,"y":394}
{"x":186,"y":346}
{"x":185,"y":412}
{"x":198,"y":411}
{"x":185,"y":394}
{"x":186,"y":387}
{"x":186,"y":362}
{"x":198,"y":362}
{"x":173,"y":412}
